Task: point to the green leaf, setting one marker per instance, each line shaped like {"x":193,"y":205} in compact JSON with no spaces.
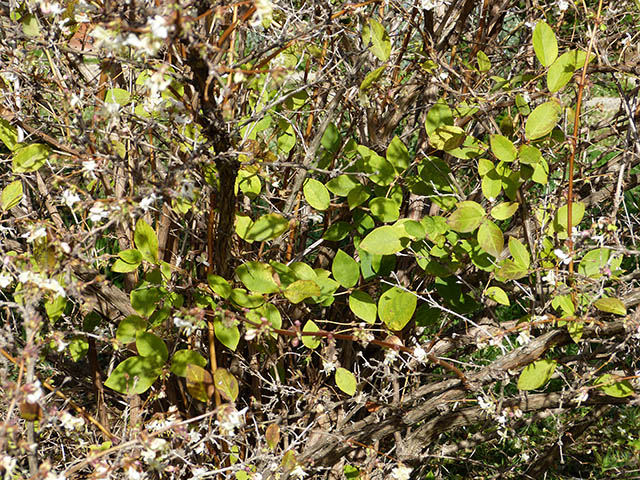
{"x":385,"y":240}
{"x":384,"y":209}
{"x":337,"y":231}
{"x":504,"y":210}
{"x":228,"y":336}
{"x":183,"y":358}
{"x":129,"y":327}
{"x":316,"y":194}
{"x":545,"y":44}
{"x":536,"y":374}
{"x":611,"y":305}
{"x":497,"y":295}
{"x":375,"y":34}
{"x":243,"y":224}
{"x":144,"y":300}
{"x":267,"y":227}
{"x":484,"y":64}
{"x":491,"y":185}
{"x":396,"y":307}
{"x":199,"y":383}
{"x":357,"y":197}
{"x":447,"y":137}
{"x":310,"y":341}
{"x":346,"y":381}
{"x":301,"y":290}
{"x":519,"y":253}
{"x":117,"y":95}
{"x":226,"y":384}
{"x":529,"y":155}
{"x":146,"y":241}
{"x":331,"y":138}
{"x":345,"y":269}
{"x":150,"y":345}
{"x":8,"y":135}
{"x":134,"y":375}
{"x":219,"y":285}
{"x":490,"y":238}
{"x":248,"y":181}
{"x":467,"y":217}
{"x":561,"y":219}
{"x":371,"y":78}
{"x":342,"y":185}
{"x":541,"y":172}
{"x":438,"y":116}
{"x":509,"y":270}
{"x":78,"y":348}
{"x":398,"y":155}
{"x":503,"y":148}
{"x":596,"y":261}
{"x":257,"y":277}
{"x":617,"y":389}
{"x":11,"y":195}
{"x":564,"y":303}
{"x":564,"y":67}
{"x":542,"y":120}
{"x":287,"y":138}
{"x":379,"y":170}
{"x":30,"y":158}
{"x":240,"y":298}
{"x":30,"y":25}
{"x":55,"y":308}
{"x":363,"y":306}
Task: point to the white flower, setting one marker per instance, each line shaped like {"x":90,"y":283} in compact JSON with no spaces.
{"x":582,"y":396}
{"x":263,"y":13}
{"x":420,"y":354}
{"x":133,"y":473}
{"x":97,"y":213}
{"x":486,"y":405}
{"x":525,"y":457}
{"x":298,"y":472}
{"x":523,"y":338}
{"x":550,"y":278}
{"x":5,"y":280}
{"x":8,"y":463}
{"x":32,"y":391}
{"x":35,"y":234}
{"x":69,"y":422}
{"x":198,"y":473}
{"x":401,"y":472}
{"x":563,"y":5}
{"x":443,"y":75}
{"x":563,"y":257}
{"x":158,"y":27}
{"x":431,"y":4}
{"x":328,"y":367}
{"x":390,"y":356}
{"x":89,"y":166}
{"x":147,"y":201}
{"x":42,"y":282}
{"x":51,"y":475}
{"x":69,"y":197}
{"x":229,"y":419}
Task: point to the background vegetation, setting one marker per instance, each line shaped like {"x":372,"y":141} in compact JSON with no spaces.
{"x":370,"y":240}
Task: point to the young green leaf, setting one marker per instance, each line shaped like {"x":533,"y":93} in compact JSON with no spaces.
{"x":375,"y":34}
{"x":503,"y":148}
{"x":519,"y":253}
{"x":542,"y":120}
{"x":134,"y":375}
{"x":257,"y":277}
{"x":363,"y":306}
{"x":536,"y":374}
{"x":398,"y":155}
{"x":467,"y":217}
{"x":545,"y":44}
{"x":228,"y":336}
{"x":385,"y":240}
{"x":384,"y":209}
{"x":301,"y":290}
{"x":504,"y":210}
{"x":612,"y":388}
{"x":11,"y":195}
{"x":267,"y":227}
{"x":316,"y":194}
{"x":308,"y":340}
{"x":146,"y":241}
{"x":611,"y":305}
{"x":490,"y":238}
{"x":346,"y":381}
{"x":396,"y":307}
{"x":30,"y":158}
{"x":497,"y":295}
{"x":183,"y":358}
{"x":345,"y":269}
{"x":226,"y":384}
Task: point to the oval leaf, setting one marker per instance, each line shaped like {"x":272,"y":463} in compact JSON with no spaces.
{"x":490,"y":238}
{"x":316,"y":194}
{"x":345,"y":269}
{"x":536,"y":374}
{"x":134,"y":375}
{"x":228,"y":336}
{"x":396,"y":307}
{"x":199,"y":383}
{"x":11,"y":195}
{"x":497,"y":295}
{"x":310,"y":341}
{"x":611,"y":305}
{"x":146,"y":241}
{"x":226,"y":384}
{"x":267,"y":227}
{"x":363,"y":306}
{"x":183,"y":358}
{"x":346,"y":381}
{"x":545,"y":44}
{"x":542,"y":120}
{"x":615,"y":389}
{"x":467,"y":217}
{"x":385,"y":240}
{"x":257,"y":277}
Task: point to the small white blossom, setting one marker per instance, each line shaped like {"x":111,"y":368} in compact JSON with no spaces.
{"x":97,"y":213}
{"x":229,"y":419}
{"x":133,"y":473}
{"x":35,"y":234}
{"x":9,"y":464}
{"x":32,"y":391}
{"x":563,"y":257}
{"x":158,"y":27}
{"x":390,"y":356}
{"x":89,"y":167}
{"x":563,"y":5}
{"x":5,"y":280}
{"x":525,"y":457}
{"x":486,"y":405}
{"x":431,"y":4}
{"x":420,"y":354}
{"x":263,"y":13}
{"x":198,"y":472}
{"x":298,"y":472}
{"x":69,"y":197}
{"x":69,"y":422}
{"x":401,"y":472}
{"x":147,"y":201}
{"x":550,"y":278}
{"x":582,"y":396}
{"x":51,"y":475}
{"x":523,"y":337}
{"x":328,"y":366}
{"x":42,"y":282}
